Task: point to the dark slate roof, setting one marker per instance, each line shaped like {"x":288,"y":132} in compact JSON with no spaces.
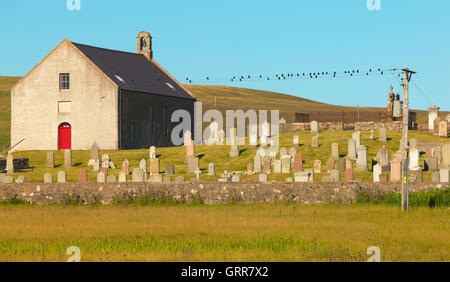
{"x":133,"y":72}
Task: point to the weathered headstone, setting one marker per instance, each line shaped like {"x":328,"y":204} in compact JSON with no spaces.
{"x":9,"y":163}
{"x":67,"y":158}
{"x":50,"y":160}
{"x":101,"y":177}
{"x":433,"y":113}
{"x":235,"y":178}
{"x":277,"y":166}
{"x":435,"y":177}
{"x":357,"y":137}
{"x":234,"y":151}
{"x":286,"y":164}
{"x":111,"y":178}
{"x":20,"y":179}
{"x":61,"y":177}
{"x":156,"y":178}
{"x":431,"y":164}
{"x":317,"y":166}
{"x":314,"y":126}
{"x":331,"y":163}
{"x":295,"y":141}
{"x":48,"y":178}
{"x":341,"y":165}
{"x":384,"y":158}
{"x":104,"y":170}
{"x":193,"y":165}
{"x":82,"y":175}
{"x":301,"y":176}
{"x":335,"y":151}
{"x":445,"y":159}
{"x":361,"y":164}
{"x":267,"y":164}
{"x":143,"y":166}
{"x":444,"y":175}
{"x":283,"y":152}
{"x":152,"y":152}
{"x":352,"y":149}
{"x":211,"y":169}
{"x":414,"y":160}
{"x":383,"y":135}
{"x":95,"y":151}
{"x":315,"y":141}
{"x":257,"y":163}
{"x":122,"y":177}
{"x":250,"y":168}
{"x":348,"y":175}
{"x":8,"y":179}
{"x":376,"y":173}
{"x":137,"y":175}
{"x":105,"y":160}
{"x":335,"y":175}
{"x":292,"y":153}
{"x":298,"y":162}
{"x":262,"y":177}
{"x":154,"y":166}
{"x":443,"y":129}
{"x":126,"y":166}
{"x":396,"y":170}
{"x":412,"y":144}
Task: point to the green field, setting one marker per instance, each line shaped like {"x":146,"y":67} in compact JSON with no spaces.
{"x":263,"y":232}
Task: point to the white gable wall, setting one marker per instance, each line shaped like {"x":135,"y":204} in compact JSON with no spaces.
{"x":36,"y":111}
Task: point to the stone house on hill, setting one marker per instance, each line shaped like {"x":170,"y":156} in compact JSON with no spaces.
{"x":79,"y":94}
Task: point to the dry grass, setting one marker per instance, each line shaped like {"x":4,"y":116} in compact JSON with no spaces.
{"x":224,"y":233}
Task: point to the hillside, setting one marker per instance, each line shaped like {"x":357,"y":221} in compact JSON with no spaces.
{"x":213,"y":97}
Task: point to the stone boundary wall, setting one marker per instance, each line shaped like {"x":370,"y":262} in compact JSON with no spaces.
{"x":208,"y":192}
{"x":361,"y":126}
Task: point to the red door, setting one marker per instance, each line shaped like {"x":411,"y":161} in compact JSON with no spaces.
{"x":65,"y":136}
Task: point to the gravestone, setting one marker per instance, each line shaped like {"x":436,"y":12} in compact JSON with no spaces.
{"x":257,"y":164}
{"x":286,"y":164}
{"x":384,"y":178}
{"x":283,"y":152}
{"x":341,"y":165}
{"x":235,"y":178}
{"x":292,"y":153}
{"x":61,"y":177}
{"x":262,"y":177}
{"x":335,"y":151}
{"x":234,"y":152}
{"x":289,"y":180}
{"x":314,"y":127}
{"x":444,"y":175}
{"x":152,"y":152}
{"x":122,"y":177}
{"x":48,"y":178}
{"x":384,"y":158}
{"x":193,"y":165}
{"x":361,"y":163}
{"x":431,"y":164}
{"x":383,"y":136}
{"x":21,"y":179}
{"x":221,"y":137}
{"x":348,"y":175}
{"x":50,"y":160}
{"x":372,"y":137}
{"x":301,"y":176}
{"x":8,"y":179}
{"x":315,"y":141}
{"x":277,"y":166}
{"x":317,"y":166}
{"x":82,"y":175}
{"x":435,"y":177}
{"x":211,"y":169}
{"x":412,"y":144}
{"x":253,"y":140}
{"x":170,"y":169}
{"x":154,"y":166}
{"x":143,"y":166}
{"x":445,"y":159}
{"x":213,"y":133}
{"x":137,"y":175}
{"x":101,"y":177}
{"x":249,"y":168}
{"x":349,"y":163}
{"x":357,"y":137}
{"x":104,"y":170}
{"x":67,"y":158}
{"x":376,"y":172}
{"x":414,"y":160}
{"x":436,"y":152}
{"x":352,"y":149}
{"x":111,"y":179}
{"x":179,"y":179}
{"x":331,"y":163}
{"x":167,"y":178}
{"x":96,"y":165}
{"x":95,"y":151}
{"x":298,"y":162}
{"x":443,"y":129}
{"x":105,"y":160}
{"x":295,"y":141}
{"x":396,"y":170}
{"x":335,"y":175}
{"x":267,"y":165}
{"x":415,"y":176}
{"x":156,"y":178}
{"x":10,"y":163}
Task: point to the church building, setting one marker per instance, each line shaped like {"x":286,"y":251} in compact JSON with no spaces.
{"x":80,"y":94}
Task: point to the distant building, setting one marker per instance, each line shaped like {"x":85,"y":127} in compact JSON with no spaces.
{"x":79,"y":94}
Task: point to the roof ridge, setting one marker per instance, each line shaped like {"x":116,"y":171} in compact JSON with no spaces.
{"x":107,"y":49}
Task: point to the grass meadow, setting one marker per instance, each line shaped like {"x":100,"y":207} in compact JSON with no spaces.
{"x":255,"y":232}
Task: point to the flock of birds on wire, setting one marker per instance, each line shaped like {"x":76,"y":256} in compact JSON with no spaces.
{"x":303,"y":75}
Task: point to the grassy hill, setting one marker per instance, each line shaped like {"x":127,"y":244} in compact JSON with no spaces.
{"x":213,"y":97}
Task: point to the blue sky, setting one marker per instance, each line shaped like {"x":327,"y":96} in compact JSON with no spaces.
{"x":220,"y":39}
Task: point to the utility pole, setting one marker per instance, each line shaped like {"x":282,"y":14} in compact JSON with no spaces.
{"x":405,"y":169}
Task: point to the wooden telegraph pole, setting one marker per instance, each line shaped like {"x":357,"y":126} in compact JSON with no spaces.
{"x":405,"y":170}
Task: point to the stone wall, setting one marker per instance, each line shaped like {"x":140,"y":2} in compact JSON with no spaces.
{"x":208,"y":193}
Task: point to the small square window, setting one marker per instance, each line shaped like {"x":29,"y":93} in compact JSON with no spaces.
{"x":64,"y":81}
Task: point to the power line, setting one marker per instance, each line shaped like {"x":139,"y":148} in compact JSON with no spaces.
{"x":423,"y":94}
